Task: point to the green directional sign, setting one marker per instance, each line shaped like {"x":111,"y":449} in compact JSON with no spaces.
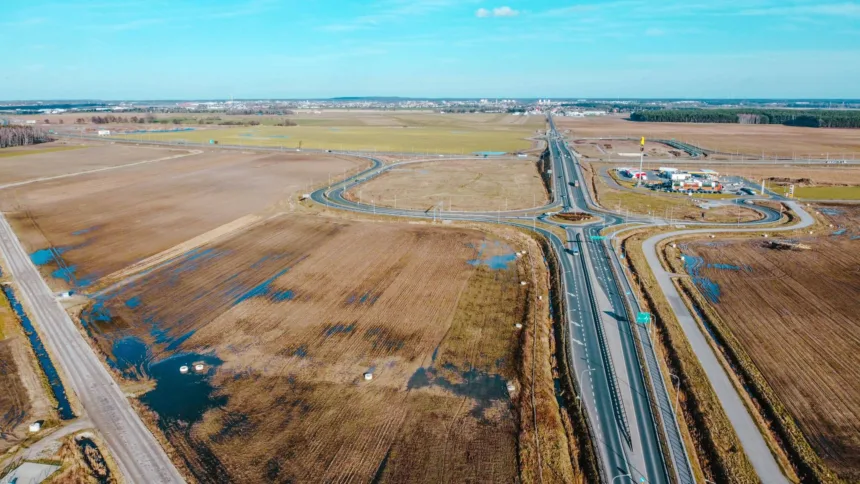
{"x":597,"y":237}
{"x":643,"y":318}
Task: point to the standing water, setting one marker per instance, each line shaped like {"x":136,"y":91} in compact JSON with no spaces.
{"x":64,"y":409}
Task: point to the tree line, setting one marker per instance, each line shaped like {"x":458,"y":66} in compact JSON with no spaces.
{"x":812,"y":118}
{"x":22,"y":136}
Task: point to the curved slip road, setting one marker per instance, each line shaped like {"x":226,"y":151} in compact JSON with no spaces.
{"x":138,"y":454}
{"x":748,"y":432}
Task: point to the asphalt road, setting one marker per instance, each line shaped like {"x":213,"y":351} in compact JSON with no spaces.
{"x":751,"y":438}
{"x":643,"y":456}
{"x":594,"y":375}
{"x":625,"y":385}
{"x":616,"y":399}
{"x":139,"y":456}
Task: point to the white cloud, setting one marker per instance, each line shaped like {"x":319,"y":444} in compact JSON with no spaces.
{"x":497,"y":12}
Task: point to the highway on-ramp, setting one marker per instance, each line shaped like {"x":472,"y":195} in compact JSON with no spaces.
{"x":138,"y":454}
{"x":748,"y":432}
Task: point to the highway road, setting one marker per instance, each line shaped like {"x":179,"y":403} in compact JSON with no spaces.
{"x":138,"y":454}
{"x":612,"y":376}
{"x":612,"y":321}
{"x":625,"y":445}
{"x":600,"y":305}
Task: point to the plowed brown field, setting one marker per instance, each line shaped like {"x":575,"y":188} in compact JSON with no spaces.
{"x":292,"y":313}
{"x":42,"y":161}
{"x":753,"y":140}
{"x":795,"y":314}
{"x":102,"y":222}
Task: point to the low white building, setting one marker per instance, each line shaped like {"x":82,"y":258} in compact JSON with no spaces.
{"x":103,"y":132}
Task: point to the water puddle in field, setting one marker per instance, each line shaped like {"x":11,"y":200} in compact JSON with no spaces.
{"x":151,"y":335}
{"x":485,"y":388}
{"x":497,"y":256}
{"x":64,"y":408}
{"x":86,"y":230}
{"x":559,"y":392}
{"x":130,"y":355}
{"x":833,"y":212}
{"x":709,"y":288}
{"x":67,"y":273}
{"x":47,"y":256}
{"x":338,"y":329}
{"x":841,"y":231}
{"x":94,"y":459}
{"x":181,"y":396}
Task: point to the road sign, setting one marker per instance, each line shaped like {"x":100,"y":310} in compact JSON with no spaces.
{"x":597,"y":237}
{"x":791,"y":191}
{"x":643,"y":318}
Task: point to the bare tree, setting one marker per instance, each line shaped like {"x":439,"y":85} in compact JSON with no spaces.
{"x":21,"y":136}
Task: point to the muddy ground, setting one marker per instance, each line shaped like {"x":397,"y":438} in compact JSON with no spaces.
{"x":795,"y":313}
{"x":287,"y":318}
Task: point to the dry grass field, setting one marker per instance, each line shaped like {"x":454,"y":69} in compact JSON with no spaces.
{"x":291,"y":314}
{"x":14,"y":401}
{"x":752,"y":140}
{"x":795,"y":314}
{"x":459,"y":185}
{"x":612,"y":150}
{"x":662,"y":205}
{"x":22,"y":396}
{"x":48,"y":160}
{"x":102,"y":222}
{"x":393,"y":131}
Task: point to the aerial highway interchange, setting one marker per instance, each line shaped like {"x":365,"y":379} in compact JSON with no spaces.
{"x":620,"y":387}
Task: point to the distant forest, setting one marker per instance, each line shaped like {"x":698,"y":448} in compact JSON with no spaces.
{"x":812,"y":118}
{"x":22,"y":136}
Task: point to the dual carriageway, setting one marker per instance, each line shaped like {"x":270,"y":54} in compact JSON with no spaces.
{"x":630,"y":415}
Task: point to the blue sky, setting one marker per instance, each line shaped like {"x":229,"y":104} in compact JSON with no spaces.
{"x":159,"y":49}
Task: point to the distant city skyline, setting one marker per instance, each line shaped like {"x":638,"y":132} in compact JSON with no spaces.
{"x":266,"y":49}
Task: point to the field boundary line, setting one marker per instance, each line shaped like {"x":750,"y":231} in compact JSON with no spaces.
{"x":141,"y":268}
{"x":97,"y":170}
